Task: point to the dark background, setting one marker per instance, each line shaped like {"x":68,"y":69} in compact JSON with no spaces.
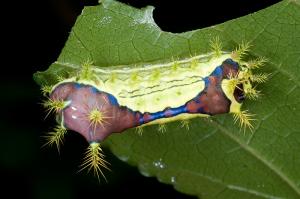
{"x":33,"y":34}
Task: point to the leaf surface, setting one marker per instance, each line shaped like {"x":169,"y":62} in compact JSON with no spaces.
{"x":213,"y":159}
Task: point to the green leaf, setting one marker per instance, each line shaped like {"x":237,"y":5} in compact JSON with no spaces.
{"x":213,"y":159}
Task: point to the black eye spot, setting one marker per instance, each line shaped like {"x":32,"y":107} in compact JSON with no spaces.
{"x":239,"y":93}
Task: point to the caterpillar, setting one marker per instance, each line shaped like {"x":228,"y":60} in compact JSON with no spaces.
{"x":99,"y":101}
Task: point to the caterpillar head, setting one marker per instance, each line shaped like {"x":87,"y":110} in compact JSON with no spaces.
{"x":239,"y":85}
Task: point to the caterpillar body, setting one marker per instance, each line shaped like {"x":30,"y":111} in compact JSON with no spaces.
{"x":100,"y":101}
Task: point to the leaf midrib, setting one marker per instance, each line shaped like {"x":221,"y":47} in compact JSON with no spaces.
{"x":258,"y":156}
{"x":232,"y":186}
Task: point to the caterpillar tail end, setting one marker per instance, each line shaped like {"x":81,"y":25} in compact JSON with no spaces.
{"x":94,"y":160}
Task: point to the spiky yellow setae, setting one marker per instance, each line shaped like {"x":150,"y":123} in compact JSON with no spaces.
{"x":162,"y":128}
{"x":56,"y":137}
{"x":242,"y":50}
{"x":194,"y":64}
{"x":54,"y":105}
{"x":257,"y":63}
{"x":216,"y":46}
{"x":175,"y":66}
{"x":60,"y":78}
{"x":86,"y":72}
{"x":252,"y":93}
{"x":97,"y":117}
{"x":185,"y":124}
{"x":259,"y":78}
{"x":94,"y":160}
{"x":244,"y":118}
{"x":233,"y":83}
{"x":46,"y":90}
{"x":139,"y":130}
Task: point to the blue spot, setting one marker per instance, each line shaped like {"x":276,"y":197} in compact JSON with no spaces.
{"x":217,"y":72}
{"x":206,"y":80}
{"x":160,"y":114}
{"x":156,"y":115}
{"x":141,"y":120}
{"x":178,"y":110}
{"x":185,"y":110}
{"x":173,"y":111}
{"x":94,"y":90}
{"x":77,"y":85}
{"x":232,"y":63}
{"x":112,"y":100}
